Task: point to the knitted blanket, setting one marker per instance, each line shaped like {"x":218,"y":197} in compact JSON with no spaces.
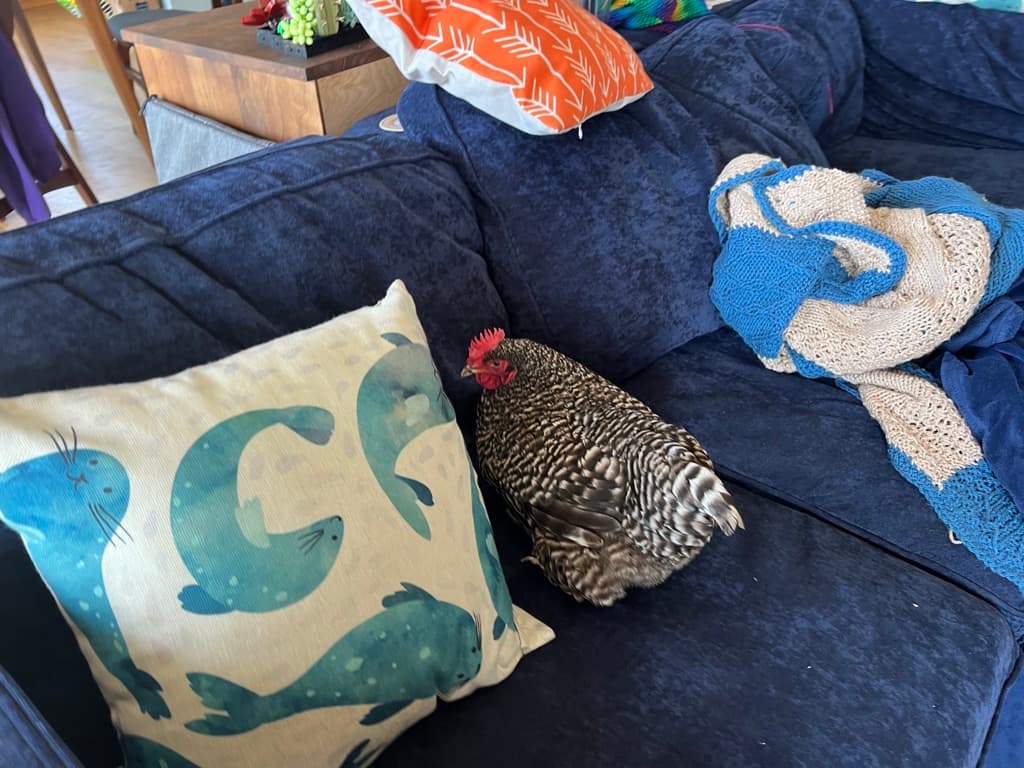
{"x":993,"y":5}
{"x":855,"y":276}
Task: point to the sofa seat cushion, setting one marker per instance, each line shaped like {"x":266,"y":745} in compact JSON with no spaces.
{"x":789,"y":644}
{"x":813,"y":445}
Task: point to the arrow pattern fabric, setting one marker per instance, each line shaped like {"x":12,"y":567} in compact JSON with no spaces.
{"x":543,"y":66}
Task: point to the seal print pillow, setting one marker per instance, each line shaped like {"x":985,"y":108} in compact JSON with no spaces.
{"x":278,"y":559}
{"x":542,"y":66}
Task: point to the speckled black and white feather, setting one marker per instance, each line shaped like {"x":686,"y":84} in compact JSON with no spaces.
{"x":613,"y":496}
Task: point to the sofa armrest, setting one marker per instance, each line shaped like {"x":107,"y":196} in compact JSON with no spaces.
{"x":26,"y":739}
{"x":942,"y":74}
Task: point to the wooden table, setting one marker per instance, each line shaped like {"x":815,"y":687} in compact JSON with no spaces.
{"x":211,"y":64}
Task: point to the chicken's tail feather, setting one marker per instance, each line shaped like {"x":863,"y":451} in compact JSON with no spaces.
{"x":711,"y":496}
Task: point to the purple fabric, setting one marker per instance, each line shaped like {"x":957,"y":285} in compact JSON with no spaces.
{"x":28,"y":150}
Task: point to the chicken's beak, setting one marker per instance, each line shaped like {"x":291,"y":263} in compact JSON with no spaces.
{"x":469,"y":370}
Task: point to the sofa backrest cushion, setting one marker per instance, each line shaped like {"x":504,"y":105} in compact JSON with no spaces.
{"x":203,"y":267}
{"x":602,"y":247}
{"x":813,"y":50}
{"x":972,"y":94}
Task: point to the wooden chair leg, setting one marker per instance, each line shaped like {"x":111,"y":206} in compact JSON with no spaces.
{"x":105,"y":46}
{"x":124,"y":52}
{"x":23,"y":32}
{"x":80,"y":184}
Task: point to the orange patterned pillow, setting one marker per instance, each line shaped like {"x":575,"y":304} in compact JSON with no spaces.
{"x":542,"y":66}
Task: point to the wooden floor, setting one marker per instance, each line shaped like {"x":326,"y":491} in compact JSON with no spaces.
{"x":106,"y":150}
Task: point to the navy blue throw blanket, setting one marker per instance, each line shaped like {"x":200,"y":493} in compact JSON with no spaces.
{"x":982,"y":371}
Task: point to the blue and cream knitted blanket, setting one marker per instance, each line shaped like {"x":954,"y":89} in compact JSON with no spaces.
{"x":853,"y":277}
{"x":991,"y":5}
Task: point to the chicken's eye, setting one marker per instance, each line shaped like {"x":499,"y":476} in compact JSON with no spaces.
{"x":495,"y":364}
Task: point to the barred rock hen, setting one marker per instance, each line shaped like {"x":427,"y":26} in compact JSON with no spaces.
{"x":612,"y":496}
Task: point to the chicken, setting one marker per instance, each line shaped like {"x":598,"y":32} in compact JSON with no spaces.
{"x":612,"y":496}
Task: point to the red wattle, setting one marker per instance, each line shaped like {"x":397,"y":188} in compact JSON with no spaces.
{"x":489,"y":380}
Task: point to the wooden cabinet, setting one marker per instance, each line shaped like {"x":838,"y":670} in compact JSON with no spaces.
{"x":211,"y":64}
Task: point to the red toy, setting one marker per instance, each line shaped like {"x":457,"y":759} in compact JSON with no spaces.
{"x":267,"y":12}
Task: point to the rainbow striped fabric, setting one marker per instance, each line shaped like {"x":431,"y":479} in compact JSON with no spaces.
{"x":643,"y":14}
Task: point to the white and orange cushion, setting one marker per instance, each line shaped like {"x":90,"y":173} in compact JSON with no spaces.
{"x":542,"y":66}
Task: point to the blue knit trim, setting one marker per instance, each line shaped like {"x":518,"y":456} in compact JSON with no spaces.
{"x":761,"y":279}
{"x":917,"y":370}
{"x":719,"y":189}
{"x":849,"y":388}
{"x":877,"y":176}
{"x":860,"y":287}
{"x":808,"y":368}
{"x":1007,"y":255}
{"x":841,"y":288}
{"x":758,"y":286}
{"x":977,"y":508}
{"x":935,"y":194}
{"x":870,"y":283}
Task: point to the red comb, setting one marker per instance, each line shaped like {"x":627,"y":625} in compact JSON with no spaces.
{"x":485,"y":342}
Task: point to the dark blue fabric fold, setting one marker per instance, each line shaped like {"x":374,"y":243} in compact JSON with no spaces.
{"x":982,"y":371}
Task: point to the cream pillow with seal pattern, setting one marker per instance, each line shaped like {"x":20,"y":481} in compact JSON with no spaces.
{"x":280,"y":558}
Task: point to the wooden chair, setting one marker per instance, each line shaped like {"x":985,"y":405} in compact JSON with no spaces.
{"x":68,"y":176}
{"x":12,"y":21}
{"x":23,"y":36}
{"x":115,"y":55}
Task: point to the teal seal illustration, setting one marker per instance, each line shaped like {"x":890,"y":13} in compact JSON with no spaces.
{"x":416,"y":647}
{"x":399,"y":399}
{"x":358,"y":758}
{"x":68,"y":508}
{"x":237,"y":564}
{"x":491,"y":564}
{"x":140,"y":752}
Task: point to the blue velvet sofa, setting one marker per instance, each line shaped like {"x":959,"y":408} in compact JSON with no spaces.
{"x":842,"y":628}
